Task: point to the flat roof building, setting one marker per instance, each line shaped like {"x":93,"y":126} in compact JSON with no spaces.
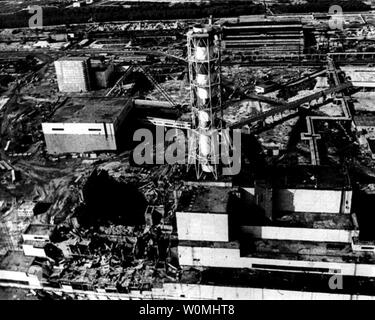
{"x":202,"y":215}
{"x":264,"y":36}
{"x":290,"y":222}
{"x":86,"y":125}
{"x":38,"y":232}
{"x":362,"y":77}
{"x":17,"y":268}
{"x":73,"y":74}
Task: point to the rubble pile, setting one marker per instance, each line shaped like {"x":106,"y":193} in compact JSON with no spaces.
{"x":156,"y":182}
{"x":112,"y":27}
{"x":120,"y":257}
{"x":244,"y":109}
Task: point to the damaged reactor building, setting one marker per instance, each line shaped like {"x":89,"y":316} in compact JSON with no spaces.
{"x":213,"y":158}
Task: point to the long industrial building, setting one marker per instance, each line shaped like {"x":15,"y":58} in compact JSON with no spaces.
{"x":264,"y":37}
{"x":86,"y":124}
{"x":361,"y":77}
{"x":291,"y":223}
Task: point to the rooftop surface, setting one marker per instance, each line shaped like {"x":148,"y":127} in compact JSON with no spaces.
{"x":39,"y":229}
{"x":91,"y":109}
{"x":360,"y":74}
{"x":73,"y":59}
{"x":365,"y":120}
{"x":309,"y":177}
{"x":314,"y":220}
{"x":202,"y":199}
{"x":16,"y":261}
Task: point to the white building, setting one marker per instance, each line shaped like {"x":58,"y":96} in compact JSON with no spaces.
{"x":16,"y":268}
{"x":362,"y":77}
{"x":290,"y":224}
{"x":73,"y":74}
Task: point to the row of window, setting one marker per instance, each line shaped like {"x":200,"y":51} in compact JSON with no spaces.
{"x":62,"y":129}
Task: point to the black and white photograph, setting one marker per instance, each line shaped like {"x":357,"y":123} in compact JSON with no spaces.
{"x":183,"y":156}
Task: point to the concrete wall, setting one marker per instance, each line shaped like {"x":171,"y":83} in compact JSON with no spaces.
{"x":205,"y":257}
{"x":346,"y":203}
{"x":35,"y":237}
{"x":301,"y":234}
{"x":6,"y":275}
{"x":196,"y":291}
{"x":264,"y":199}
{"x":308,"y":200}
{"x":230,"y":258}
{"x":63,"y":128}
{"x":202,"y":226}
{"x":30,"y":250}
{"x":180,"y":291}
{"x":78,"y":137}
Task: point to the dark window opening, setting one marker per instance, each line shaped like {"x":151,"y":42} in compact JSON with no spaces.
{"x":336,"y":246}
{"x":39,"y":238}
{"x":311,"y":269}
{"x":16,"y":282}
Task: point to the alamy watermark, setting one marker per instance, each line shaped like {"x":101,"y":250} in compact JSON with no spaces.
{"x":335,"y":282}
{"x":215,"y":148}
{"x":337,"y":19}
{"x":36,"y":20}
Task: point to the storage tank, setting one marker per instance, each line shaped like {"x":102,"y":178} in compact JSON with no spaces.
{"x":203,"y":119}
{"x":203,"y":94}
{"x":204,"y":45}
{"x":202,"y":52}
{"x":205,"y":76}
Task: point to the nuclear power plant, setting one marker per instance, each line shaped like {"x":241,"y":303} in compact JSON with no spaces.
{"x":213,"y":158}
